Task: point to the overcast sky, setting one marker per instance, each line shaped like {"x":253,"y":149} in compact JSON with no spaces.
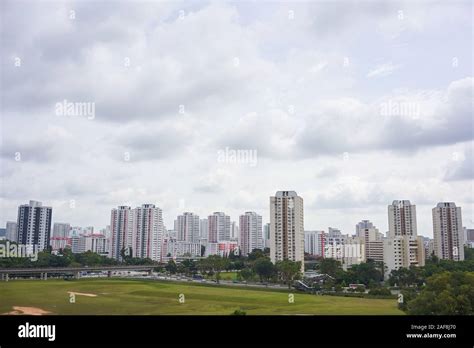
{"x":352,"y":105}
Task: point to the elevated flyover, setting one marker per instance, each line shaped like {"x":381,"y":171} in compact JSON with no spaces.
{"x":43,"y":272}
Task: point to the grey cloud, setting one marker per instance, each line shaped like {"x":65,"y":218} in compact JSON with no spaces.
{"x":464,"y":170}
{"x":83,"y":60}
{"x":152,"y":143}
{"x":332,"y":135}
{"x":38,"y":150}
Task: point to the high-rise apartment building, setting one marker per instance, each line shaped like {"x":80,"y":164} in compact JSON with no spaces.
{"x":203,"y":229}
{"x":372,"y":238}
{"x":287,"y":227}
{"x":402,"y":247}
{"x":314,"y":242}
{"x":147,"y":232}
{"x":266,"y":235}
{"x":218,"y":227}
{"x":234,"y":231}
{"x":188,"y":226}
{"x":34,"y":224}
{"x":250,"y":226}
{"x":447,"y":231}
{"x":402,"y":219}
{"x":61,"y":230}
{"x":120,"y":232}
{"x":11,"y":231}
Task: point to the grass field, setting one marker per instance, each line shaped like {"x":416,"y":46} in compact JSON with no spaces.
{"x":228,"y":276}
{"x":136,"y":297}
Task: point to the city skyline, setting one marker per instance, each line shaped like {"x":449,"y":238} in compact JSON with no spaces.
{"x":225,"y":230}
{"x":203,"y":106}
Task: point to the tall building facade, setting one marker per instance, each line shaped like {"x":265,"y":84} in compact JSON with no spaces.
{"x":402,"y":247}
{"x":147,"y":232}
{"x":372,"y":238}
{"x":314,"y":242}
{"x":403,"y":251}
{"x":120,"y":231}
{"x":11,"y":231}
{"x":363,"y":225}
{"x":287,"y":227}
{"x":234,"y":231}
{"x":250,"y":225}
{"x":468,"y":237}
{"x":203,"y":229}
{"x":188,"y":226}
{"x":402,"y":219}
{"x":266,"y":235}
{"x":34,"y":224}
{"x":447,"y":231}
{"x":218,"y":227}
{"x":61,"y":230}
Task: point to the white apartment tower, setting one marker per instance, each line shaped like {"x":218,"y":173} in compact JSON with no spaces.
{"x":402,"y":219}
{"x":250,"y":225}
{"x":120,"y":231}
{"x":372,"y":238}
{"x":188,"y":226}
{"x":314,"y":242}
{"x":402,"y":247}
{"x":448,"y":232}
{"x":287,"y":227}
{"x":218,"y":227}
{"x":147,"y":232}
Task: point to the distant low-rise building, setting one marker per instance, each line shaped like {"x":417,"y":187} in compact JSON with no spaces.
{"x":222,"y":248}
{"x":403,"y":251}
{"x":173,"y":248}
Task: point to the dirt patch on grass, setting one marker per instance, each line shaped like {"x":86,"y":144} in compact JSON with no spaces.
{"x":81,"y":294}
{"x":27,"y":311}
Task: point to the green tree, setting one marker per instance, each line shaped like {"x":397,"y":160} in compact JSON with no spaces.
{"x":330,"y":267}
{"x":365,"y":273}
{"x":288,"y":271}
{"x":215,"y":264}
{"x":264,"y":268}
{"x":171,"y":267}
{"x":246,"y":274}
{"x":468,"y":253}
{"x":189,"y":267}
{"x":447,"y":293}
{"x":239,"y":312}
{"x":405,"y":277}
{"x":255,"y":254}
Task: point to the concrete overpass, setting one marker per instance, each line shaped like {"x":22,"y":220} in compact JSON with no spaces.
{"x":5,"y":273}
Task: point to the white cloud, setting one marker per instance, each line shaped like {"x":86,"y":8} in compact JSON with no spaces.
{"x":383,"y":70}
{"x":290,"y":97}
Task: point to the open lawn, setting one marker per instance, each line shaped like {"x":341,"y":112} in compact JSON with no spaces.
{"x":136,"y":297}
